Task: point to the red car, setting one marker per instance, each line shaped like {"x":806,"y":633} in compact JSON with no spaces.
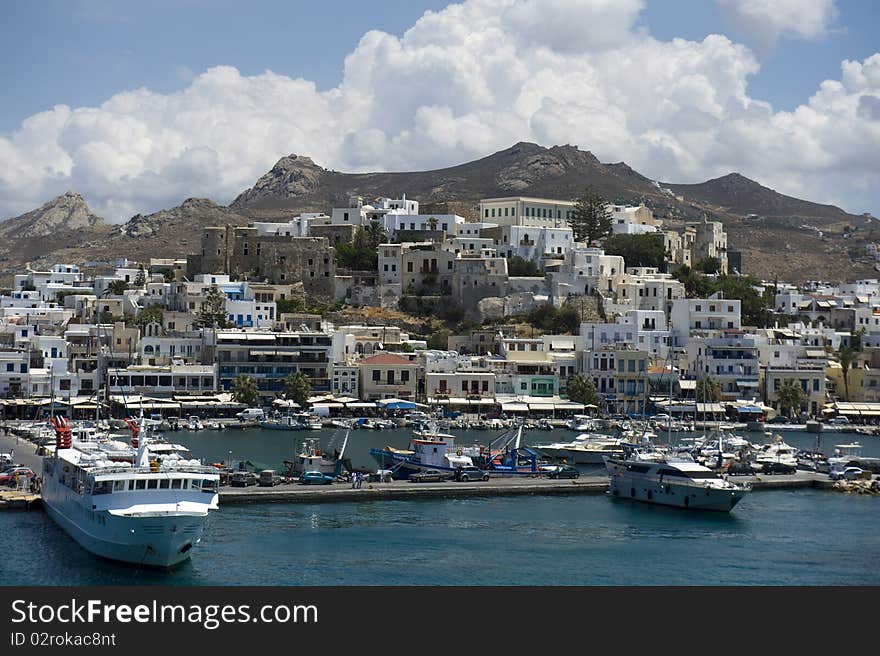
{"x":7,"y":476}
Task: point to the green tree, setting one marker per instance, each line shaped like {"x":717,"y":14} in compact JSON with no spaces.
{"x":638,"y":250}
{"x":244,"y":390}
{"x":709,"y":265}
{"x":362,"y":253}
{"x":519,"y":266}
{"x":213,"y":311}
{"x":590,"y":219}
{"x":432,"y":223}
{"x":847,"y":355}
{"x":790,"y":397}
{"x":148,"y":315}
{"x":141,"y":278}
{"x":117,"y":287}
{"x":286,"y":305}
{"x":581,"y":389}
{"x":708,"y":390}
{"x":298,"y":388}
{"x":555,"y":320}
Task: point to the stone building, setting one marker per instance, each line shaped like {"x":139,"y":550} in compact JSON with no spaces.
{"x":275,"y":259}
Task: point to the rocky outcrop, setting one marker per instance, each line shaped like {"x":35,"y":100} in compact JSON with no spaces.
{"x":66,"y":212}
{"x":293,"y":176}
{"x":193,"y":212}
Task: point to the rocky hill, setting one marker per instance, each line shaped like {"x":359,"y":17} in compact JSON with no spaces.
{"x":740,"y":195}
{"x":190,"y":216}
{"x":66,"y":212}
{"x":779,"y":236}
{"x":296,"y":182}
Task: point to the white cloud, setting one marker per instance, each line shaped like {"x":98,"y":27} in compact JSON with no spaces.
{"x":459,"y":84}
{"x":764,"y":21}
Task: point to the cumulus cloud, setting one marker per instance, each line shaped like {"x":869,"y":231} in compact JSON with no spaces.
{"x":765,"y":21}
{"x":459,"y":84}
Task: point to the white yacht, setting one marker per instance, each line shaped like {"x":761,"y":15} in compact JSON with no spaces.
{"x":586,"y":449}
{"x":673,"y":482}
{"x":777,"y":452}
{"x":143,"y":503}
{"x":193,"y":422}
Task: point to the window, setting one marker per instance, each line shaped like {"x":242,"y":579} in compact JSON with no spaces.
{"x":377,"y":375}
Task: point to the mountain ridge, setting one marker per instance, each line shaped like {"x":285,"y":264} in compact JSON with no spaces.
{"x":816,"y":240}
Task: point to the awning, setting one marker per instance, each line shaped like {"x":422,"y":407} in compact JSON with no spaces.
{"x":747,"y":383}
{"x":709,"y":407}
{"x":328,"y":405}
{"x":541,"y":406}
{"x":687,"y":384}
{"x":514,"y":407}
{"x":569,"y":405}
{"x":816,"y":353}
{"x":360,"y":404}
{"x":400,"y":405}
{"x":750,"y":409}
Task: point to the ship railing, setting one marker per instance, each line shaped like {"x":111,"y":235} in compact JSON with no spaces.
{"x":161,"y":469}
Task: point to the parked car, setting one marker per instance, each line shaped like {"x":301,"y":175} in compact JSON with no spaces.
{"x":564,"y":471}
{"x":839,"y":420}
{"x":465,"y":474}
{"x":6,"y":460}
{"x":315,"y":478}
{"x":268,"y":478}
{"x":742,"y":469}
{"x":7,"y":476}
{"x":243,"y":479}
{"x":429,"y":477}
{"x":779,"y":419}
{"x":849,"y":474}
{"x":777,"y":468}
{"x":251,"y":414}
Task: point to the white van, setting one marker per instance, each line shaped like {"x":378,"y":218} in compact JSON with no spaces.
{"x":250,"y":414}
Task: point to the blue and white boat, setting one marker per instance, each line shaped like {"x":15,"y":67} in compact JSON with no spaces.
{"x":428,"y":451}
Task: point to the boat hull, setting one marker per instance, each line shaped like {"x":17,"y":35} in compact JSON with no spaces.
{"x":162,"y":540}
{"x":673,"y":494}
{"x":579,"y":457}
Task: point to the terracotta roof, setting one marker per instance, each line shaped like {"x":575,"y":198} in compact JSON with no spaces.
{"x":386,"y":358}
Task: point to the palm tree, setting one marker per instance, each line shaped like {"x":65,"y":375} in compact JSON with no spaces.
{"x":847,"y":355}
{"x":244,"y":390}
{"x":791,"y":398}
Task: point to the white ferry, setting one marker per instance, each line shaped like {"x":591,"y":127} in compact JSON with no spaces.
{"x":673,"y":482}
{"x":128,"y":502}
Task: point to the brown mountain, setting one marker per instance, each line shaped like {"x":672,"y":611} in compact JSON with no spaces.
{"x":779,"y":236}
{"x":736,"y":193}
{"x":296,"y":182}
{"x":66,"y":212}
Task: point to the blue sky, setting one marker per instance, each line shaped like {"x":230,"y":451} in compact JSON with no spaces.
{"x":81,"y":52}
{"x":463,"y":82}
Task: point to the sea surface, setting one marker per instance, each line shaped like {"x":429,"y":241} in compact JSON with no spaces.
{"x":797,"y":537}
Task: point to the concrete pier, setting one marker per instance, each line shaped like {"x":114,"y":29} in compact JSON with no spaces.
{"x":508,"y":486}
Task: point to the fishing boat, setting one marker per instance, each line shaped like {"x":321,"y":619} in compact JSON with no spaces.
{"x":132,"y":502}
{"x":428,"y":451}
{"x":312,"y":458}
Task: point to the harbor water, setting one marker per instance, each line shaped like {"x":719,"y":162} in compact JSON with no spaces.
{"x":796,"y":537}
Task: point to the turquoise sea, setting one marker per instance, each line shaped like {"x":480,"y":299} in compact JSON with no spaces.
{"x":798,"y":537}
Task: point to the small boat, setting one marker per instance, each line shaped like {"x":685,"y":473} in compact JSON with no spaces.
{"x":580,"y":423}
{"x":286,"y":423}
{"x":194,"y":423}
